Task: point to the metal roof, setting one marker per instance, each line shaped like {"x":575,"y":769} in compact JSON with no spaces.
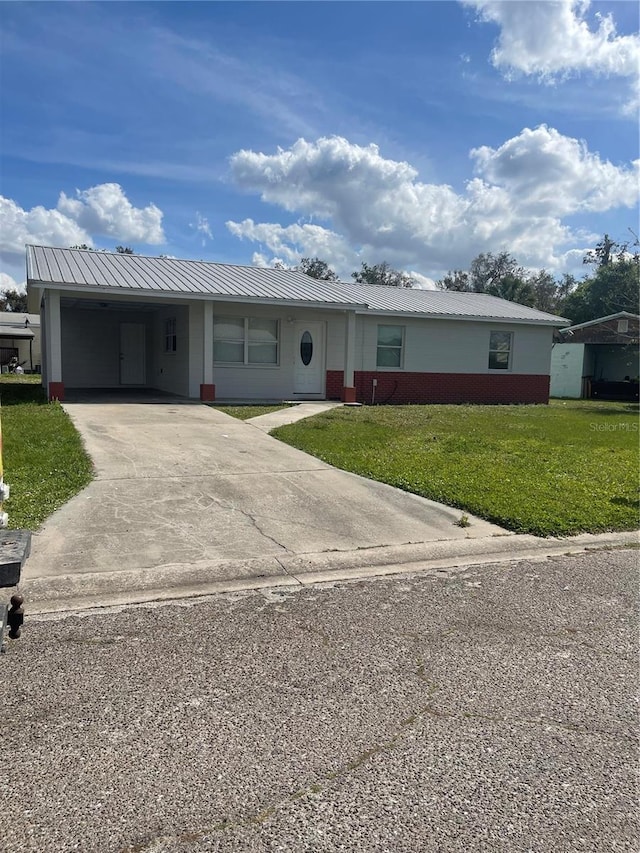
{"x":81,"y":269}
{"x":446,"y":303}
{"x":15,"y":332}
{"x":18,"y":318}
{"x":621,"y":315}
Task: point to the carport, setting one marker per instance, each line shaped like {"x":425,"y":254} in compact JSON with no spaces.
{"x":120,"y":343}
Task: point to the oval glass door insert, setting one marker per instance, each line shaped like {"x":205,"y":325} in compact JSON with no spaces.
{"x":306,"y":348}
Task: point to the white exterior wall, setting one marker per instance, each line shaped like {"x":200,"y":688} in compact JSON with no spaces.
{"x":91,"y":345}
{"x":276,"y":382}
{"x":567,"y":370}
{"x":169,"y":371}
{"x":457,"y":346}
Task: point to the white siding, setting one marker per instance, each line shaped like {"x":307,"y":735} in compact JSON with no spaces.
{"x":451,"y":346}
{"x":170,"y":370}
{"x":91,"y":346}
{"x":196,"y":354}
{"x":276,"y":382}
{"x":567,"y":365}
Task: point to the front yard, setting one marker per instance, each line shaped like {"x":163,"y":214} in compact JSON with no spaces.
{"x":561,"y":469}
{"x":44,"y":460}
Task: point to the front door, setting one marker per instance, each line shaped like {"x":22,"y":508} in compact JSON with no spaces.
{"x":308,"y":375}
{"x":132,"y":354}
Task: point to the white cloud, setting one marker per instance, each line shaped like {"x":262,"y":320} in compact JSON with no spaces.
{"x":422,"y":282}
{"x":106,"y":210}
{"x":101,"y":210}
{"x":7,"y":282}
{"x":292,"y":242}
{"x":38,"y":225}
{"x":377,"y":209}
{"x":554,"y":39}
{"x":201,"y":226}
{"x":258,"y":259}
{"x":555,"y":174}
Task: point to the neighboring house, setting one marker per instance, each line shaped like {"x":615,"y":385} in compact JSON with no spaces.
{"x":20,"y":339}
{"x":215,"y":331}
{"x":597,"y":359}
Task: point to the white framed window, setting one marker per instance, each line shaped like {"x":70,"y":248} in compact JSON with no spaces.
{"x":246,"y":340}
{"x":500,"y":347}
{"x":170,"y":336}
{"x":390,"y":346}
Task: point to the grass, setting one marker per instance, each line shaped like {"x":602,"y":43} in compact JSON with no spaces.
{"x":249,"y":410}
{"x":554,"y":470}
{"x":44,"y":460}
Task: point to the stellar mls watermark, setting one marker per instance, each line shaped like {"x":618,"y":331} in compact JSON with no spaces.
{"x":614,"y":427}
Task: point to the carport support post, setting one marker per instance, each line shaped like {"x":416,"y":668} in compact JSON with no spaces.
{"x":348,"y":389}
{"x":54,"y":345}
{"x":207,"y":388}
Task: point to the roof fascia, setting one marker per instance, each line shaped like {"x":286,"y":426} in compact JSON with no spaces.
{"x":125,"y":293}
{"x":606,"y":319}
{"x":419,"y":315}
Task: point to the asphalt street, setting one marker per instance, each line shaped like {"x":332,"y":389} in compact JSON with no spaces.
{"x":491,"y":708}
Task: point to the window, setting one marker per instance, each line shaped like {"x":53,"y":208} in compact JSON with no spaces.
{"x":170,"y":337}
{"x":500,"y":350}
{"x":623,"y":326}
{"x":390,"y":340}
{"x":245,"y":340}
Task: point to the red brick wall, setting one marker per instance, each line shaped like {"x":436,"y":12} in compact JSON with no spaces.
{"x":404,"y":387}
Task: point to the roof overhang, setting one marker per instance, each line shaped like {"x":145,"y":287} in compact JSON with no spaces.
{"x":122,"y":294}
{"x":619,"y":316}
{"x":7,"y":332}
{"x":416,"y":315}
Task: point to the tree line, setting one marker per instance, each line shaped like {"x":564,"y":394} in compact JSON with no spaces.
{"x":612,"y":285}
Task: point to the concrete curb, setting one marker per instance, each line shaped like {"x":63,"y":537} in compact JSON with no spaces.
{"x":77,"y":592}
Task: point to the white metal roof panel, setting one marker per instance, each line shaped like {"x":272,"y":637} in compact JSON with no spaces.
{"x":136,"y":273}
{"x":15,"y":332}
{"x":18,"y":318}
{"x":78,"y":267}
{"x":446,"y":303}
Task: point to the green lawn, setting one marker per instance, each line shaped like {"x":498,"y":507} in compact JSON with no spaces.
{"x":561,"y":469}
{"x":44,"y":460}
{"x":249,"y":410}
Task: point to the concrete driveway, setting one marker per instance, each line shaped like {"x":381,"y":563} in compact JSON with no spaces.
{"x":181,"y":487}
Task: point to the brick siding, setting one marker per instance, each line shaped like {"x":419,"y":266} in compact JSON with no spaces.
{"x":404,"y":387}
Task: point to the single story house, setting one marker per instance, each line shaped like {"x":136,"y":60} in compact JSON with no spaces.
{"x":216,"y":331}
{"x":20,"y":340}
{"x":597,"y":359}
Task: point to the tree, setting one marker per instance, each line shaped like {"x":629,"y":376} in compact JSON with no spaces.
{"x":318,"y":269}
{"x":603,"y":253}
{"x":614,"y":287}
{"x":501,"y":275}
{"x":485,"y":273}
{"x":455,"y":280}
{"x":12,"y":300}
{"x":487,"y":270}
{"x":382,"y":274}
{"x":121,"y":250}
{"x":513,"y":288}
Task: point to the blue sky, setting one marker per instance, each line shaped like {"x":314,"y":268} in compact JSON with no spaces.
{"x":418,"y":133}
